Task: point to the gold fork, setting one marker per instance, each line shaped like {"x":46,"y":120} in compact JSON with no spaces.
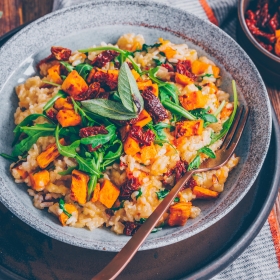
{"x":120,"y":261}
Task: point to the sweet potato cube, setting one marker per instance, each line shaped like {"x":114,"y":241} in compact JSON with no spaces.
{"x":169,"y":52}
{"x":68,"y":118}
{"x":70,"y":208}
{"x":135,"y":74}
{"x":49,"y":155}
{"x":62,"y":103}
{"x":179,"y":213}
{"x":131,"y":146}
{"x":95,"y":196}
{"x":54,"y":74}
{"x":216,"y":71}
{"x":189,"y":128}
{"x":144,"y":118}
{"x":21,"y":174}
{"x":108,"y":193}
{"x":226,"y":111}
{"x":277,"y":47}
{"x":199,"y":67}
{"x":39,"y":180}
{"x":148,"y":152}
{"x":202,"y":193}
{"x":277,"y":33}
{"x":144,"y":84}
{"x":91,"y":75}
{"x":183,"y":79}
{"x":113,"y":75}
{"x":79,"y":186}
{"x":154,"y":88}
{"x":193,"y":100}
{"x":74,"y":84}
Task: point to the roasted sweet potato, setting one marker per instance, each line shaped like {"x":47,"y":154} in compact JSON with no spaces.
{"x":148,"y":152}
{"x":277,"y":47}
{"x":62,"y":103}
{"x":112,"y":81}
{"x":131,"y":146}
{"x":70,"y":208}
{"x":144,"y":84}
{"x":227,"y":110}
{"x":68,"y":118}
{"x":135,"y":74}
{"x":189,"y":128}
{"x":49,"y":155}
{"x":193,"y":100}
{"x":199,"y":67}
{"x":183,"y":79}
{"x":143,"y":119}
{"x":74,"y":84}
{"x":179,"y":213}
{"x":39,"y":180}
{"x":95,"y":196}
{"x":216,"y":71}
{"x":108,"y":193}
{"x":203,"y":193}
{"x":54,"y":74}
{"x":79,"y":186}
{"x":169,"y":52}
{"x":21,"y":174}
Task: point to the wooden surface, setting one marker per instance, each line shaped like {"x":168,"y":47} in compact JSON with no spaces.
{"x":17,"y":12}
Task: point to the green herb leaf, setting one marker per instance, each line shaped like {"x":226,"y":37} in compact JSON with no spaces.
{"x":199,"y":87}
{"x":176,"y":199}
{"x":195,"y":163}
{"x":49,"y":104}
{"x":146,"y":47}
{"x":169,"y":90}
{"x":157,"y":61}
{"x":118,"y":208}
{"x":207,"y":75}
{"x":109,"y":109}
{"x":202,"y":113}
{"x":83,"y":70}
{"x":62,"y":207}
{"x":68,"y":171}
{"x":162,"y":194}
{"x":87,"y":165}
{"x":33,"y":132}
{"x":207,"y":151}
{"x":128,"y":90}
{"x":67,"y":65}
{"x":51,"y":83}
{"x":139,"y":194}
{"x":8,"y":157}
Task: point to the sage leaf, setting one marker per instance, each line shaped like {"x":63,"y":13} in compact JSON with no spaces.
{"x":109,"y":109}
{"x":128,"y":90}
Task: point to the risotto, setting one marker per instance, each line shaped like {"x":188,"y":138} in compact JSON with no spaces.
{"x":105,"y":133}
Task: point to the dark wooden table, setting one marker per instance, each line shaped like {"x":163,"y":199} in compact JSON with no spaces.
{"x":17,"y":12}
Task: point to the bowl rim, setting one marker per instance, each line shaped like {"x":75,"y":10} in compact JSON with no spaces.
{"x":80,"y":242}
{"x":241,"y":17}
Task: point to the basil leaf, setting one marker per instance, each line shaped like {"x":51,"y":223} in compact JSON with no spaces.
{"x":33,"y":132}
{"x":49,"y":104}
{"x":27,"y":121}
{"x":68,"y":171}
{"x":195,"y":163}
{"x":109,"y":109}
{"x":207,"y":151}
{"x":128,"y":90}
{"x":62,"y":207}
{"x":100,"y":139}
{"x":83,"y":70}
{"x":67,"y":65}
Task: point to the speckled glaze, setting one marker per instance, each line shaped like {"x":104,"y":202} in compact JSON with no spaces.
{"x":81,"y":26}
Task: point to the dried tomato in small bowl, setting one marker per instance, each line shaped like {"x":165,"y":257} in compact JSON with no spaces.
{"x":259,"y":35}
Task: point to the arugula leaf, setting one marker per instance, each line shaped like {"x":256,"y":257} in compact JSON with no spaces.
{"x":128,"y":90}
{"x":8,"y":157}
{"x":157,"y":61}
{"x":222,"y":105}
{"x":207,"y":75}
{"x":67,"y":151}
{"x":158,"y":129}
{"x":51,"y":83}
{"x":33,"y":132}
{"x":139,"y":194}
{"x":62,"y":207}
{"x":199,"y":87}
{"x":202,"y":113}
{"x":68,"y":171}
{"x":162,"y":194}
{"x":49,"y":104}
{"x":195,"y":163}
{"x":67,"y":65}
{"x":145,"y":47}
{"x":87,"y":165}
{"x":83,"y":70}
{"x":169,"y":90}
{"x":207,"y":151}
{"x":113,"y":153}
{"x":176,"y":199}
{"x":27,"y":121}
{"x":115,"y":96}
{"x":109,"y":109}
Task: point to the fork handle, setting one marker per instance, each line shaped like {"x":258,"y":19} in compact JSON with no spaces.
{"x":120,"y":261}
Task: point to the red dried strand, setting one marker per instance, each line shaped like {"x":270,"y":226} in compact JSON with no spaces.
{"x":92,"y":130}
{"x":184,"y":67}
{"x":169,"y":67}
{"x":142,"y":137}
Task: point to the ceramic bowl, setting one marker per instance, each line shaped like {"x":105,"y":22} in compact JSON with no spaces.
{"x":267,"y":63}
{"x":91,"y":23}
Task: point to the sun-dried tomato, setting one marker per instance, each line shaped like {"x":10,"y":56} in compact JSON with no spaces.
{"x":45,"y":60}
{"x":52,"y":114}
{"x":168,"y":66}
{"x":153,"y":105}
{"x":112,"y":81}
{"x":93,"y":90}
{"x":142,"y":137}
{"x":61,"y":53}
{"x":104,"y":57}
{"x":129,"y":65}
{"x":130,"y":228}
{"x":128,"y":187}
{"x":184,"y":67}
{"x":92,"y":130}
{"x":180,"y":170}
{"x":190,"y":184}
